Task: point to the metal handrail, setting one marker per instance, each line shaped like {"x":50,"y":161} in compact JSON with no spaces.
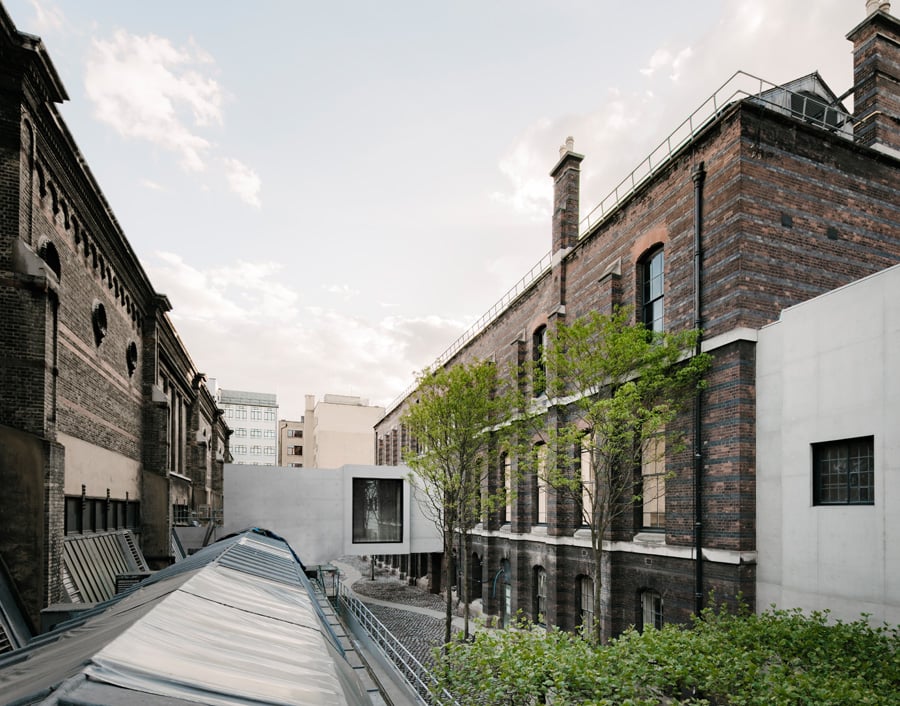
{"x":741,"y":85}
{"x":414,"y":673}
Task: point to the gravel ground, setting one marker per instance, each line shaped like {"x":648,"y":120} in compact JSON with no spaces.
{"x":420,"y":634}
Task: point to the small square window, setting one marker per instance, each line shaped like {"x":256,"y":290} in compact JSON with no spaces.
{"x":844,"y":472}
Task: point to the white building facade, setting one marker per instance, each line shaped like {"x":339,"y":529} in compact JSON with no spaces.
{"x":253,"y":418}
{"x":828,"y":467}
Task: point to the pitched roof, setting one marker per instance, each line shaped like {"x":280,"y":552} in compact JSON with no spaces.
{"x":235,"y":623}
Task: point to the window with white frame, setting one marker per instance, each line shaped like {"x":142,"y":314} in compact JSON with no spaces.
{"x":587,"y":480}
{"x":506,"y":470}
{"x":539,"y":361}
{"x":540,"y":494}
{"x":540,"y":595}
{"x":653,"y":484}
{"x":651,"y":609}
{"x":652,"y":280}
{"x":585,"y":595}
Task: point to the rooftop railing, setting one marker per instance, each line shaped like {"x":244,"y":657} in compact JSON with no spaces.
{"x":415,"y":674}
{"x":739,"y":87}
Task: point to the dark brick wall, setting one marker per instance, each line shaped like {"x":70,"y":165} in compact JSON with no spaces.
{"x":790,"y":211}
{"x":56,"y":375}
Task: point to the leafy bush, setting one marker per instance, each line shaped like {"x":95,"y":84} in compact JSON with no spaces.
{"x":778,"y":657}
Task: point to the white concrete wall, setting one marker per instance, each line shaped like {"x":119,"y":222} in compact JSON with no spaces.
{"x":830,"y":370}
{"x":311,"y":509}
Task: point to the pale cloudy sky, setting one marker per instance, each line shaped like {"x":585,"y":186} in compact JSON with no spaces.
{"x":331,"y":192}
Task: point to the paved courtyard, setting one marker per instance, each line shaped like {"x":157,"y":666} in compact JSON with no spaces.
{"x":415,"y":616}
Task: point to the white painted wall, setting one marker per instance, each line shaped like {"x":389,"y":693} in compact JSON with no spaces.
{"x":829,"y":369}
{"x":311,"y":509}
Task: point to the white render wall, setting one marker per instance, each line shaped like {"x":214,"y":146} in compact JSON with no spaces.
{"x":828,"y":370}
{"x":311,"y":509}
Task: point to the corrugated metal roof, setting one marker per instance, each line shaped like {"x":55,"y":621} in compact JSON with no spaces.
{"x":235,"y":623}
{"x":91,"y":563}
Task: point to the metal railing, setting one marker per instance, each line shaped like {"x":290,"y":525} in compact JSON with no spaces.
{"x":414,"y":673}
{"x":740,"y":86}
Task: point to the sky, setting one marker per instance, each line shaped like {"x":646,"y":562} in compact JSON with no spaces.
{"x":330,"y":193}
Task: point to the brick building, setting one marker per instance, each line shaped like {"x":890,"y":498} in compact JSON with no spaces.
{"x":106,"y":424}
{"x":765,"y":197}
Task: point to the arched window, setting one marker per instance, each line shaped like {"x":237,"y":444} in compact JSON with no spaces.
{"x":651,"y":609}
{"x":653,"y":289}
{"x":584,"y":592}
{"x":540,"y":596}
{"x":539,"y":360}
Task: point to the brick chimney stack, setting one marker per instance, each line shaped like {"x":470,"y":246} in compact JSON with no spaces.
{"x":876,"y":79}
{"x":566,"y":185}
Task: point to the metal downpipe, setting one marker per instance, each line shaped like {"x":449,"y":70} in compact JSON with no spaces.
{"x":698,"y":175}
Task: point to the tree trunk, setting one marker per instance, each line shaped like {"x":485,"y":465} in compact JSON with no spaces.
{"x":448,"y":618}
{"x":464,"y":558}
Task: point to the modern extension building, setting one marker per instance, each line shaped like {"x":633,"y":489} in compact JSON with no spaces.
{"x":107,"y":428}
{"x":766,"y":197}
{"x":252,"y":417}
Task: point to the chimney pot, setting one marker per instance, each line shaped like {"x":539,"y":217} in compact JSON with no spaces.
{"x":873,"y":6}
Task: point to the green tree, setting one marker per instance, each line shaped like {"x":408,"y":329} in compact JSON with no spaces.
{"x":453,"y":421}
{"x":618,"y":389}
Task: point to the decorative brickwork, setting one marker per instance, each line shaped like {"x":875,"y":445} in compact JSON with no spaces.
{"x":85,"y":349}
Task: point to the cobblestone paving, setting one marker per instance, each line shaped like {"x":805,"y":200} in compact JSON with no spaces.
{"x":420,"y":634}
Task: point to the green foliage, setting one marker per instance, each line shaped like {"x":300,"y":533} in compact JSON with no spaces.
{"x":454,"y":419}
{"x":619,"y":388}
{"x":778,"y":657}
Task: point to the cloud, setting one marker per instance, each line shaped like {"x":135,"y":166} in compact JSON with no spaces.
{"x":47,"y":17}
{"x":664,"y":59}
{"x":243,"y":181}
{"x":148,"y":89}
{"x":344,"y":290}
{"x":150,"y":184}
{"x":525,"y":166}
{"x":250,"y":331}
{"x":630,"y":123}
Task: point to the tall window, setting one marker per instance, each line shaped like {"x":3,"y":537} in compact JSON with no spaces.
{"x":653,"y":290}
{"x":506,"y":477}
{"x":653,"y":484}
{"x":585,"y":595}
{"x":540,"y":596}
{"x":540,"y":486}
{"x":844,"y":472}
{"x":587,"y":481}
{"x":539,"y":360}
{"x":652,"y":609}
